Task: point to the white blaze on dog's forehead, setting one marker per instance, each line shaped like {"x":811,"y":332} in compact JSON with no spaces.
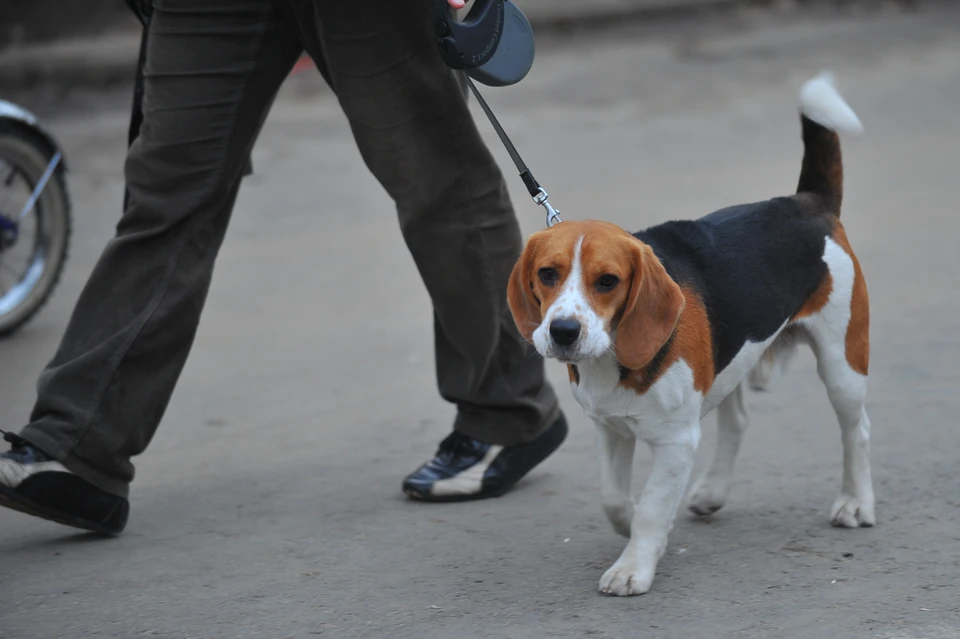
{"x":576,"y":269}
{"x":570,"y":301}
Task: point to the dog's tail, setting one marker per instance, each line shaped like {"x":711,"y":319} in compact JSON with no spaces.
{"x":824,"y":113}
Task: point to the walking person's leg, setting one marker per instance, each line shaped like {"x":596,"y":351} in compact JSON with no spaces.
{"x":212,"y":70}
{"x":415,"y":132}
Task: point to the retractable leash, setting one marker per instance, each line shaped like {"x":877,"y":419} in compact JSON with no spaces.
{"x":494,"y":45}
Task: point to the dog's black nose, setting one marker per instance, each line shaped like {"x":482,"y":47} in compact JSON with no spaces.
{"x":564,"y":331}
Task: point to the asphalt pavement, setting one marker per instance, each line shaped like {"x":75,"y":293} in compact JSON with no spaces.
{"x":269,"y":502}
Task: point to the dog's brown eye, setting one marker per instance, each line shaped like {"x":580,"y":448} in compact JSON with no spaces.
{"x":548,"y":276}
{"x":606,"y":283}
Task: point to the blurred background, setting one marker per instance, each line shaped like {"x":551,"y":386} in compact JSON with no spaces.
{"x":269,"y":502}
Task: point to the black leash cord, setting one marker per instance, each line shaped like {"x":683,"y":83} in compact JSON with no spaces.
{"x":536,"y":191}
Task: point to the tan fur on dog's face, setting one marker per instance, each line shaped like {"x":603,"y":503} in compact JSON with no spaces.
{"x":602,"y":278}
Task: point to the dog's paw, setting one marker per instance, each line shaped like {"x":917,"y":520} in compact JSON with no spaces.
{"x":708,"y":496}
{"x":625,"y":578}
{"x":851,"y":512}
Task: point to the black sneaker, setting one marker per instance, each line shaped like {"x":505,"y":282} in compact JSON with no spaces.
{"x":466,"y":468}
{"x":34,"y":483}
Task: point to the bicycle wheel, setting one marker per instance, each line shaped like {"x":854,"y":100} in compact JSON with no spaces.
{"x":33,"y":250}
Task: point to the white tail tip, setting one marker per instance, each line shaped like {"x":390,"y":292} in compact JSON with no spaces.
{"x":821,"y":102}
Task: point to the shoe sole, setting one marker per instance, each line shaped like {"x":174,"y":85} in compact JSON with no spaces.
{"x":13,"y":501}
{"x":433,"y":499}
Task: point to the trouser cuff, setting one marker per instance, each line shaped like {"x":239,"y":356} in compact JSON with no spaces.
{"x":42,"y":440}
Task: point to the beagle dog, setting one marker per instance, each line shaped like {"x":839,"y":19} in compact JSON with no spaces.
{"x":659,"y":327}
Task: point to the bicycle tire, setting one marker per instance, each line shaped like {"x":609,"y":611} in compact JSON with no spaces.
{"x":21,"y":147}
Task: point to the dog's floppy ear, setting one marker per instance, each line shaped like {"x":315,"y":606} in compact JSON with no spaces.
{"x":651,"y":311}
{"x":524,"y":306}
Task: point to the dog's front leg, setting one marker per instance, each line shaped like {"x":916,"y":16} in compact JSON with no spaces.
{"x":615,"y":446}
{"x":654,"y":513}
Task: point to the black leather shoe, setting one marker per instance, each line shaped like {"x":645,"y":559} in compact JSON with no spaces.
{"x":466,"y":468}
{"x":34,"y":483}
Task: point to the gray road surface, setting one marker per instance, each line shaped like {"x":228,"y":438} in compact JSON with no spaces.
{"x":268,"y":505}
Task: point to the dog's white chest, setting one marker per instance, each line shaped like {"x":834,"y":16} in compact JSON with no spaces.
{"x":668,"y":401}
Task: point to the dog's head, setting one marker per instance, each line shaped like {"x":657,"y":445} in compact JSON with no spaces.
{"x":581,"y":289}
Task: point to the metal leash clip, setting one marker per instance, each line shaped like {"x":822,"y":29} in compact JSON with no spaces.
{"x":553,"y":215}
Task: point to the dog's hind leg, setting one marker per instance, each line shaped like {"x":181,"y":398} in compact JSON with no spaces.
{"x":841,"y":343}
{"x":847,"y":390}
{"x":710,"y":492}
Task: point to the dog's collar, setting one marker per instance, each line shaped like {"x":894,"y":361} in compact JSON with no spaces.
{"x":649,"y":371}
